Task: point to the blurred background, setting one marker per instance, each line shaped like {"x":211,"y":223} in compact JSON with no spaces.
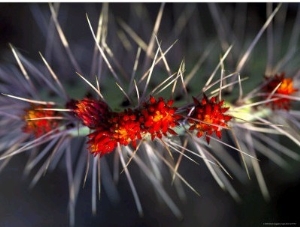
{"x":46,"y":203}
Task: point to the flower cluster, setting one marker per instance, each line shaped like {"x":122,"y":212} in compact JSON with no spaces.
{"x":156,"y":118}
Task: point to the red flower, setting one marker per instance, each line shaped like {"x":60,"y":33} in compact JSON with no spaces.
{"x":158,"y":117}
{"x":281,"y":86}
{"x":208,"y":117}
{"x":123,"y":128}
{"x":101,"y":142}
{"x":92,"y":113}
{"x":39,"y":121}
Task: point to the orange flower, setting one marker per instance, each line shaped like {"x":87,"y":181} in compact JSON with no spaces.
{"x":208,"y":117}
{"x":92,"y":113}
{"x":158,"y":117}
{"x":281,"y":86}
{"x":39,"y":121}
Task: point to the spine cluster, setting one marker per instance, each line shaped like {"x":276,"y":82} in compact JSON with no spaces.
{"x":154,"y":118}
